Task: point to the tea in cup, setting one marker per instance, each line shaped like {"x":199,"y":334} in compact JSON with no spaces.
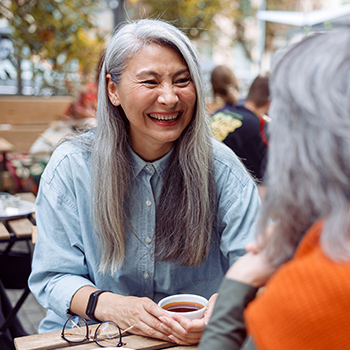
{"x":189,"y":305}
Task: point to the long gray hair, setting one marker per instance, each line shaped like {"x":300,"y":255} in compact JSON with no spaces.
{"x":186,"y":209}
{"x":308,"y":175}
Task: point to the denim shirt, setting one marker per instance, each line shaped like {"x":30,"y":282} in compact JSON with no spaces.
{"x":66,"y":255}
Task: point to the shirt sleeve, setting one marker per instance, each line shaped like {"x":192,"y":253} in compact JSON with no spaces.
{"x":59,"y":267}
{"x":226,"y":328}
{"x":238,"y":208}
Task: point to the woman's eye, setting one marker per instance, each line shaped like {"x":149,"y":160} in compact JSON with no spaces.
{"x":183,"y":81}
{"x":150,"y":82}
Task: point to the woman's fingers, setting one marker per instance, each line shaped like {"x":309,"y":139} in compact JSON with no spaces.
{"x":143,"y":314}
{"x":210,"y":307}
{"x":148,"y":319}
{"x":183,"y":330}
{"x":252,"y":268}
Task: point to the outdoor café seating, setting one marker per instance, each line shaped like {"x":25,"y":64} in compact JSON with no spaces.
{"x":17,"y":222}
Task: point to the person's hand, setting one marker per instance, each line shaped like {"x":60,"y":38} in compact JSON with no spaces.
{"x":210,"y":307}
{"x":183,"y":330}
{"x":142,"y":314}
{"x":257,"y":245}
{"x":253,"y":268}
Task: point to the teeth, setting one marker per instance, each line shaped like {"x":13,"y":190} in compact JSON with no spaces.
{"x":164,"y":117}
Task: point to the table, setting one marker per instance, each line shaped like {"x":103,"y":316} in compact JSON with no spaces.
{"x":12,"y":230}
{"x":16,"y":266}
{"x":53,"y":340}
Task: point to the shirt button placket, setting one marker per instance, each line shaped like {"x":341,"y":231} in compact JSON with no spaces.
{"x":147,"y":275}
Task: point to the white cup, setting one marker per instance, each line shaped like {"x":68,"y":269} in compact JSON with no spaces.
{"x":184,"y":301}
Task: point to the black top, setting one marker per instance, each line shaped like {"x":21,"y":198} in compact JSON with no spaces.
{"x":239,"y":129}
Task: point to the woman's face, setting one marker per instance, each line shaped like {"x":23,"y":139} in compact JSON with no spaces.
{"x":158,"y":98}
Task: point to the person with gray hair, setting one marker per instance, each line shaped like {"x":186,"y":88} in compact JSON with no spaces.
{"x":305,"y":303}
{"x":146,"y":204}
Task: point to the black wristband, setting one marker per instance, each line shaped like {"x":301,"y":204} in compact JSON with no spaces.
{"x":91,"y":306}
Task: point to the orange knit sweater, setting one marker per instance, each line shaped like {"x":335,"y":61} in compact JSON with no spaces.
{"x":306,"y":304}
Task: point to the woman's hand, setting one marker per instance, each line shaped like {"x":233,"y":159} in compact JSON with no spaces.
{"x":148,"y":319}
{"x":210,"y":307}
{"x":253,"y":268}
{"x":143,"y":314}
{"x":185,"y":331}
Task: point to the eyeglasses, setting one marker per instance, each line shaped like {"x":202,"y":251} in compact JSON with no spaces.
{"x":107,"y":334}
{"x":264,"y":121}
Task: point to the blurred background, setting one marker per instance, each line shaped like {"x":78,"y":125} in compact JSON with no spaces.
{"x":51,"y":47}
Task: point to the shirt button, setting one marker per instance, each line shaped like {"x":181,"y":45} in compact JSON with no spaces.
{"x":146,"y":275}
{"x":149,"y":167}
{"x":148,"y":240}
{"x":148,"y":203}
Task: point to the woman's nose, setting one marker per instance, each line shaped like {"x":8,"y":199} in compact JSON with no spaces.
{"x":168,"y":96}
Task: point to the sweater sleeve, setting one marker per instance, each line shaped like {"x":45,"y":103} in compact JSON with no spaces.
{"x":226,"y":328}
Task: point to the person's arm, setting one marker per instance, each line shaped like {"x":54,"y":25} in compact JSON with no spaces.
{"x":59,"y":268}
{"x":139,"y":315}
{"x":226,"y":328}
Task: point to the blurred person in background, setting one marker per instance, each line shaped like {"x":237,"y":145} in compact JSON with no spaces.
{"x":239,"y":127}
{"x":305,"y":303}
{"x":225,"y":88}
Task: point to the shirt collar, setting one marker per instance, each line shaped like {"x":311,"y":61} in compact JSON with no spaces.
{"x":139,"y":164}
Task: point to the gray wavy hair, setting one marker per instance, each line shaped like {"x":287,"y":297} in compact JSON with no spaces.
{"x":308,"y":174}
{"x":188,"y":191}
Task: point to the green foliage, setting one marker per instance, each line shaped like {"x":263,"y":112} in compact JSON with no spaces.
{"x":58,"y":37}
{"x":193,"y":17}
{"x":197,"y":17}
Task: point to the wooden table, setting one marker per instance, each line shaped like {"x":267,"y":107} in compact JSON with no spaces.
{"x":53,"y":340}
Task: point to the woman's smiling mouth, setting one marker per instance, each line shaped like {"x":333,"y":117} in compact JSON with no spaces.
{"x":167,"y":118}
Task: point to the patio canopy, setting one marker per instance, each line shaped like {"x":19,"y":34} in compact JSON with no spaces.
{"x":338,"y":16}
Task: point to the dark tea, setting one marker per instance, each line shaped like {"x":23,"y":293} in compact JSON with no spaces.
{"x":182,"y":306}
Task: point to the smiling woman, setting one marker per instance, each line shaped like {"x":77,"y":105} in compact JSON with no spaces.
{"x":146,"y":204}
{"x":158,"y":78}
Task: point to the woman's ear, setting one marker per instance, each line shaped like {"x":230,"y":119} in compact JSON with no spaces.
{"x":112,"y":91}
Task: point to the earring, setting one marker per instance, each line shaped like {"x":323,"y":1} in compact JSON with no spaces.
{"x":114,"y":101}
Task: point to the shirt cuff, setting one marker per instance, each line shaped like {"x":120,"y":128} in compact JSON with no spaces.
{"x":62,"y":294}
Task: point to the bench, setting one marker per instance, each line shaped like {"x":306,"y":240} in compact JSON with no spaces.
{"x":24,"y":118}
